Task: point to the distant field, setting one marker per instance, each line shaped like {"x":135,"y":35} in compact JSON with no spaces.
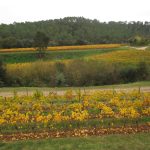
{"x":117,"y":55}
{"x":126,"y":56}
{"x":138,"y":141}
{"x":21,"y":57}
{"x":26,"y":69}
{"x":59,"y":48}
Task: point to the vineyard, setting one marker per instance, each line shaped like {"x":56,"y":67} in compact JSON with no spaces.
{"x":60,"y":48}
{"x":74,"y":83}
{"x":73,"y":113}
{"x":131,"y":56}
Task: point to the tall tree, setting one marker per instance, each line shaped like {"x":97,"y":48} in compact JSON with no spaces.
{"x":41,"y":41}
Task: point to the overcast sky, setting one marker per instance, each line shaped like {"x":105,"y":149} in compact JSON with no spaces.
{"x":103,"y":10}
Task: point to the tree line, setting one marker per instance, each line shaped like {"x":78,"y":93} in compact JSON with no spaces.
{"x":74,"y":31}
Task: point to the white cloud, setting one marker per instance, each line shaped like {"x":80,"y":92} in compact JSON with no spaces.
{"x":103,"y":10}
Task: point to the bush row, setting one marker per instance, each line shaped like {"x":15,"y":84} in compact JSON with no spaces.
{"x":72,"y":73}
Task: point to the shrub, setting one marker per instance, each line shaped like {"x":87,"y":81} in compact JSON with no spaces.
{"x":2,"y":74}
{"x":75,"y":73}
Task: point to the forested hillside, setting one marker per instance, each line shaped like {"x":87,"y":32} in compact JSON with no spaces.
{"x":73,"y":31}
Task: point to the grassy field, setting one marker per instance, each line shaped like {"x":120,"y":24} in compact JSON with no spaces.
{"x":140,"y":141}
{"x":117,"y":55}
{"x":21,"y":57}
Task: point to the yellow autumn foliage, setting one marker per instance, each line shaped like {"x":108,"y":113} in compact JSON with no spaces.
{"x":60,"y":48}
{"x":40,"y":109}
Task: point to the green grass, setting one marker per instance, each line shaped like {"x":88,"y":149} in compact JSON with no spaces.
{"x":140,"y":141}
{"x":116,"y":86}
{"x":21,"y":57}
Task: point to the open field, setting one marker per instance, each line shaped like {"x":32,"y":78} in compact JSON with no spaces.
{"x":139,"y":141}
{"x":122,"y":54}
{"x":21,"y":57}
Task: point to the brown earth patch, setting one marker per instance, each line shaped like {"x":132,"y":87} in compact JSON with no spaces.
{"x":75,"y":133}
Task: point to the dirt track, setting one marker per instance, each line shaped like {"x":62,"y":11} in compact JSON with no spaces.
{"x":60,"y":92}
{"x":139,"y":48}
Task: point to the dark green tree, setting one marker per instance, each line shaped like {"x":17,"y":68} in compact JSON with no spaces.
{"x":41,"y":41}
{"x":142,"y":71}
{"x":75,"y":31}
{"x":2,"y":74}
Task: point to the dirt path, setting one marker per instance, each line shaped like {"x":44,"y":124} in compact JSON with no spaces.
{"x":61,"y":92}
{"x":139,"y":48}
